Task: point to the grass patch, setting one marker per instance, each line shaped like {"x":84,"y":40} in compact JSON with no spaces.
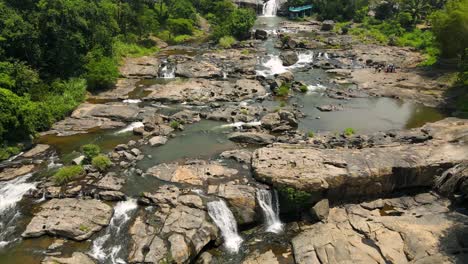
{"x":122,"y":49}
{"x":303,"y":89}
{"x":283,"y":90}
{"x":174,"y":124}
{"x":68,"y":174}
{"x":226,"y":42}
{"x":310,"y":134}
{"x":90,"y":151}
{"x":7,"y":152}
{"x":101,"y":162}
{"x":349,"y":131}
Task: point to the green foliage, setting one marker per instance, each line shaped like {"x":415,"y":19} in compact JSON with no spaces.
{"x":174,"y":124}
{"x":450,"y":27}
{"x":237,"y":24}
{"x":463,"y":76}
{"x":226,"y":42}
{"x":283,"y":90}
{"x":68,"y":174}
{"x":282,"y":104}
{"x":7,"y":152}
{"x":349,"y":131}
{"x":303,"y":88}
{"x":90,"y":151}
{"x":180,"y":26}
{"x":340,"y":10}
{"x":102,"y":72}
{"x":101,"y":162}
{"x":310,"y":134}
{"x":123,"y":49}
{"x":297,"y":197}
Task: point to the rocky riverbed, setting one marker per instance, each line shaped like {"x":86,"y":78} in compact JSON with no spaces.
{"x":214,"y":163}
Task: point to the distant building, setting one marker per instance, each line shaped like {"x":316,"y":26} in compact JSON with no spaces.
{"x":300,"y":11}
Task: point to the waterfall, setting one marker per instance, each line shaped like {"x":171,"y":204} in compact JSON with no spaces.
{"x":270,"y":206}
{"x":167,"y":71}
{"x":130,"y":127}
{"x":226,"y":222}
{"x":11,"y":193}
{"x":108,"y":246}
{"x":270,"y":8}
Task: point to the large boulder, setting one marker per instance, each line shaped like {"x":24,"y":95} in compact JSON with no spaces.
{"x":70,"y":218}
{"x":261,"y":34}
{"x":241,"y":198}
{"x":346,"y":173}
{"x":76,"y":258}
{"x":454,"y":182}
{"x":327,"y":25}
{"x":198,"y":69}
{"x":254,"y":138}
{"x":397,"y":230}
{"x":14,"y":172}
{"x":289,"y":58}
{"x":280,"y":121}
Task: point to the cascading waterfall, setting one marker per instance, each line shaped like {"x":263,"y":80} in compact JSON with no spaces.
{"x":11,"y":193}
{"x":167,"y":71}
{"x":130,"y":127}
{"x":270,"y":206}
{"x":270,"y":8}
{"x":224,"y":219}
{"x":107,"y":247}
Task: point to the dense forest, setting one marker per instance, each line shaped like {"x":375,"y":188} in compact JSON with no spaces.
{"x":53,"y":51}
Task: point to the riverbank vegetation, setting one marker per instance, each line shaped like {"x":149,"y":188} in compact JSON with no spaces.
{"x":53,"y":51}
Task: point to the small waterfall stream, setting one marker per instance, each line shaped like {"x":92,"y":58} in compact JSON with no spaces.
{"x":11,"y":193}
{"x":270,"y":206}
{"x":270,"y":8}
{"x":106,"y":248}
{"x":224,"y":219}
{"x":167,"y":70}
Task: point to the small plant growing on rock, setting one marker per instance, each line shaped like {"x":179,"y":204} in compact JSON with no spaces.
{"x":282,"y":104}
{"x":303,"y":89}
{"x":297,"y":197}
{"x":283,"y":90}
{"x":83,"y":228}
{"x":245,"y":52}
{"x":310,"y":134}
{"x":68,"y":174}
{"x":101,"y":162}
{"x":349,"y":131}
{"x":174,"y":124}
{"x":90,"y":151}
{"x":244,"y":111}
{"x":226,"y":42}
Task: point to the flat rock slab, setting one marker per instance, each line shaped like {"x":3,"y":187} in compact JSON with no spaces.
{"x":37,"y":150}
{"x":11,"y":173}
{"x":76,"y":258}
{"x":121,"y":112}
{"x":397,"y":230}
{"x":203,"y":90}
{"x":141,"y":67}
{"x":70,"y":218}
{"x":345,"y":173}
{"x":71,"y":126}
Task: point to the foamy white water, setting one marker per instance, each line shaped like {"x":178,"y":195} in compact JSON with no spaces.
{"x":274,"y":65}
{"x":132,"y":101}
{"x":270,"y":8}
{"x":224,"y":219}
{"x":108,"y":247}
{"x":167,"y":71}
{"x":240,"y":125}
{"x":270,"y":207}
{"x":130,"y":127}
{"x":316,"y":88}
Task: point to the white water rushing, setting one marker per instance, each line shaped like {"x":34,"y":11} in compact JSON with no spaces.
{"x":239,"y":125}
{"x":270,"y":207}
{"x":270,"y":8}
{"x":11,"y":193}
{"x":226,"y":222}
{"x":273,"y":64}
{"x":108,"y":246}
{"x":167,"y":71}
{"x":130,"y":127}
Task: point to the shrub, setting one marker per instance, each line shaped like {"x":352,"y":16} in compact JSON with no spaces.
{"x":102,"y":73}
{"x":310,"y":134}
{"x":349,"y":131}
{"x":226,"y":42}
{"x":180,"y":26}
{"x":282,"y":104}
{"x":67,"y":174}
{"x":90,"y":151}
{"x":7,"y":152}
{"x":283,"y":90}
{"x":101,"y":162}
{"x":244,"y":111}
{"x":174,"y":124}
{"x":297,"y":197}
{"x":304,"y":88}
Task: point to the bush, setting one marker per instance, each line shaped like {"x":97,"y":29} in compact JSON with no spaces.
{"x":180,"y":26}
{"x":226,"y":42}
{"x":174,"y":124}
{"x":297,"y":197}
{"x":310,"y":134}
{"x":68,"y":174}
{"x":7,"y":152}
{"x":283,"y":90}
{"x":90,"y":151}
{"x":303,"y":88}
{"x":101,"y":162}
{"x":102,"y":73}
{"x":349,"y":131}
